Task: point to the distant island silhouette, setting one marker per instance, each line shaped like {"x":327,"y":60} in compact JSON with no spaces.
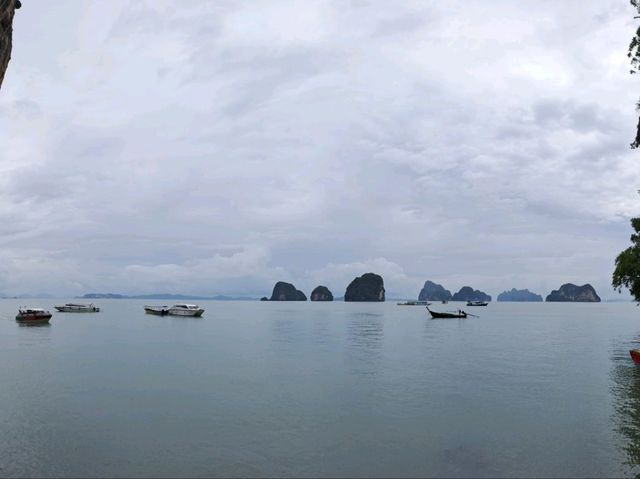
{"x":178,"y":297}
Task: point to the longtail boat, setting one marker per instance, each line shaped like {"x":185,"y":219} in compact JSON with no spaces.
{"x":635,"y":355}
{"x":437,"y":315}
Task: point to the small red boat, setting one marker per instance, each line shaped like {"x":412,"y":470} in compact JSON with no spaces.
{"x":33,"y":316}
{"x":635,"y":355}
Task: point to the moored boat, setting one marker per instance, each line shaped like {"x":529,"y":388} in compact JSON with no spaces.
{"x":33,"y":316}
{"x":635,"y":355}
{"x":414,"y":303}
{"x":157,"y":310}
{"x":439,"y":315}
{"x":186,"y":310}
{"x":77,"y":308}
{"x":477,"y":303}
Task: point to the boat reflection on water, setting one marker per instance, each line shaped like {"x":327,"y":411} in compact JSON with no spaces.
{"x":625,"y":388}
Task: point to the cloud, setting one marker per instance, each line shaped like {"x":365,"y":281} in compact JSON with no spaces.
{"x":216,"y":147}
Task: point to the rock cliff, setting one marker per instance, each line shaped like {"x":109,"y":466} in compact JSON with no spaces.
{"x":570,"y":292}
{"x":7,"y":9}
{"x":321,"y":293}
{"x":519,"y":295}
{"x":467,"y":293}
{"x":286,"y":292}
{"x":368,"y":287}
{"x":434,"y":292}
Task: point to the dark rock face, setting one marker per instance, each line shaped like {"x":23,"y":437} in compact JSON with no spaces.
{"x":519,"y":295}
{"x":368,"y":287}
{"x":467,"y":293}
{"x":286,"y":292}
{"x":7,"y":9}
{"x":321,"y":293}
{"x":434,"y":292}
{"x":571,"y":292}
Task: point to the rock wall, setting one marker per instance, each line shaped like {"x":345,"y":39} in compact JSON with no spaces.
{"x":321,"y":293}
{"x":7,"y":9}
{"x":434,"y":292}
{"x":570,"y":292}
{"x":368,"y":287}
{"x":519,"y":295}
{"x":467,"y":293}
{"x":287,"y":292}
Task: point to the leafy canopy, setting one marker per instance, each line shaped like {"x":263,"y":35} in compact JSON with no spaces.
{"x":634,"y":58}
{"x":627,"y":272}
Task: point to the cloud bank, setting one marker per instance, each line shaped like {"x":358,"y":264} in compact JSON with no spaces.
{"x":217,"y":147}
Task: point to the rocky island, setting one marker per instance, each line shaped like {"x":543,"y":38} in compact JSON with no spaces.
{"x":519,"y":295}
{"x":321,"y":293}
{"x":570,"y":292}
{"x":467,"y":293}
{"x":368,"y":287}
{"x":434,"y":292}
{"x":286,"y":292}
{"x":7,"y":10}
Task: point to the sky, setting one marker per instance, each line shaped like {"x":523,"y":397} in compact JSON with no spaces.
{"x":216,"y":147}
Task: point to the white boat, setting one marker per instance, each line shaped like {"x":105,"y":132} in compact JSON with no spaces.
{"x":78,"y":308}
{"x":157,"y":310}
{"x":186,"y":310}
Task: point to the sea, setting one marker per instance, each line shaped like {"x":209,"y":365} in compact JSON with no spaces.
{"x":301,"y":389}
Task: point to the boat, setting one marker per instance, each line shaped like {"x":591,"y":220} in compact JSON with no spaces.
{"x":77,"y":308}
{"x":635,"y":355}
{"x":414,"y":303}
{"x":186,"y":310}
{"x":438,"y":315}
{"x":33,"y":316}
{"x":444,"y":301}
{"x":477,"y":303}
{"x":157,"y":310}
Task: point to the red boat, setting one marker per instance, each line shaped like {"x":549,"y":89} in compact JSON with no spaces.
{"x":635,"y":355}
{"x":33,"y":316}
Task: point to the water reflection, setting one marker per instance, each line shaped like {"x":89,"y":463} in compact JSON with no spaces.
{"x":365,"y":332}
{"x":625,"y":389}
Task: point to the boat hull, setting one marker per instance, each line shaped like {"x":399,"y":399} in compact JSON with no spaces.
{"x":33,"y":319}
{"x":156,"y":310}
{"x":187,"y":313}
{"x":437,"y":315}
{"x":70,"y":309}
{"x":635,"y":355}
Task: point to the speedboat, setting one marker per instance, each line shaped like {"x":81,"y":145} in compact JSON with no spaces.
{"x":33,"y":316}
{"x":186,"y":310}
{"x":157,"y":310}
{"x":77,"y":308}
{"x":477,"y":303}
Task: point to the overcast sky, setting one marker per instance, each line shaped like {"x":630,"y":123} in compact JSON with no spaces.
{"x":213,"y":147}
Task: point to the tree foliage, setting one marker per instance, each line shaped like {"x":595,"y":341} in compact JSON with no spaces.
{"x":627,"y":272}
{"x":634,"y":58}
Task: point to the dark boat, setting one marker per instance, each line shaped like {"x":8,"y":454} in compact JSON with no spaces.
{"x":477,"y":303}
{"x":33,"y":316}
{"x":157,"y":310}
{"x":414,"y":303}
{"x":437,"y":315}
{"x":635,"y":355}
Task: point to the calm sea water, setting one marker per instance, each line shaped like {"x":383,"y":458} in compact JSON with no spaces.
{"x":321,"y":389}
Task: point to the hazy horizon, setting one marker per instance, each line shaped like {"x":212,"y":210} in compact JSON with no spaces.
{"x":214,"y":148}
